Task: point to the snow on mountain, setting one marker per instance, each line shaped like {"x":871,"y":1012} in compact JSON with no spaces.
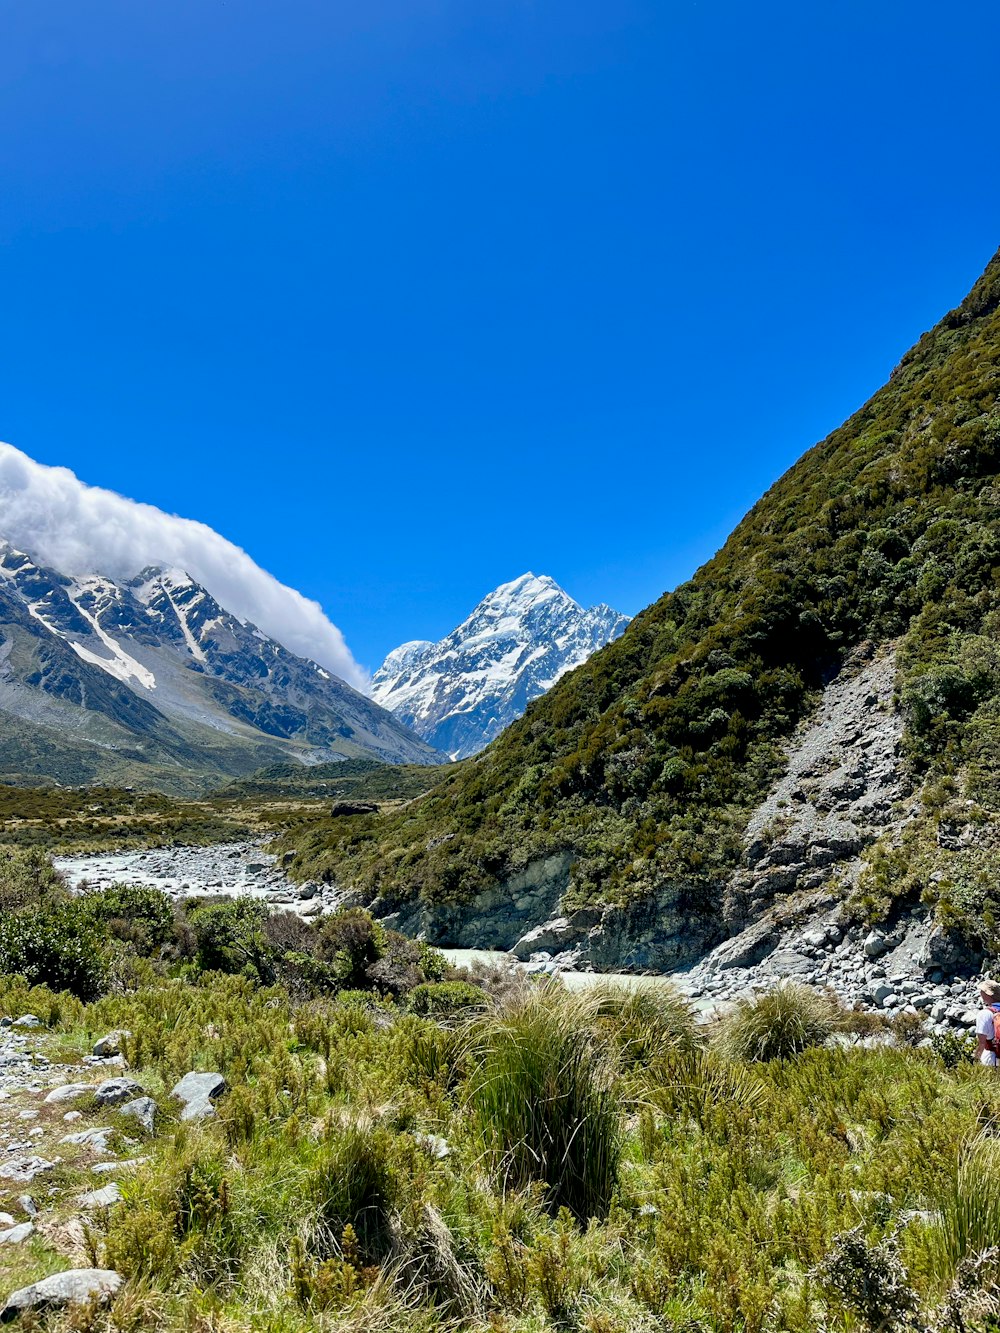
{"x":83,"y":530}
{"x":461,"y":692}
{"x":153,"y":666}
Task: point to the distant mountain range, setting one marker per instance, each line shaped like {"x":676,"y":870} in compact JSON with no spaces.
{"x":150,"y":680}
{"x":459,"y":693}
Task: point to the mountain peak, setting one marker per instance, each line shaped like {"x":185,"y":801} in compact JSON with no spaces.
{"x":512,"y":647}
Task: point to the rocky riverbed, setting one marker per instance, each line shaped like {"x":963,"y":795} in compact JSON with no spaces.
{"x":898,"y":972}
{"x":228,"y":869}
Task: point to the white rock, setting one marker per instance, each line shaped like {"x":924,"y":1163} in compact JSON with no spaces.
{"x":16,"y":1235}
{"x":77,"y":1286}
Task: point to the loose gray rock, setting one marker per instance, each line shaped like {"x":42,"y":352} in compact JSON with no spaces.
{"x":28,"y":1204}
{"x":112,"y":1043}
{"x":23,"y":1170}
{"x":106,"y":1168}
{"x":90,"y":1138}
{"x":143,"y":1109}
{"x":115,"y":1090}
{"x":105,"y":1197}
{"x":16,"y":1235}
{"x":198,"y":1092}
{"x":77,"y":1286}
{"x":68,"y":1092}
{"x":28,"y":1021}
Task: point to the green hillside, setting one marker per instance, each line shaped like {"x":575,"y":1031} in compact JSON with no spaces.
{"x":644,"y":762}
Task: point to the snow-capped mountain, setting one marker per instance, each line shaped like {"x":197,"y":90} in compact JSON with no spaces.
{"x":150,"y":679}
{"x":461,"y":692}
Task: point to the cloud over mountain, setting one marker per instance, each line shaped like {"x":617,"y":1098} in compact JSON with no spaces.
{"x":80,"y":529}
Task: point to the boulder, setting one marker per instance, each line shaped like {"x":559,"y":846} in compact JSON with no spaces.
{"x":544,"y":938}
{"x":68,"y":1092}
{"x":143,"y":1109}
{"x":102,"y":1198}
{"x":97,"y":1139}
{"x":23,"y":1170}
{"x":115,"y":1090}
{"x":77,"y":1286}
{"x":875,"y":944}
{"x":198,"y":1091}
{"x":112,"y":1043}
{"x":16,"y":1235}
{"x":28,"y":1021}
{"x":127,"y":1164}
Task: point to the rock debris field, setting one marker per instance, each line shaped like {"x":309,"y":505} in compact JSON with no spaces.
{"x":893,"y":972}
{"x":229,"y":868}
{"x":69,"y":1132}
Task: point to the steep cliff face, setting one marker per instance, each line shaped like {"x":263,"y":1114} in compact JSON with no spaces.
{"x":99,"y":677}
{"x":460,"y":693}
{"x":656,"y":766}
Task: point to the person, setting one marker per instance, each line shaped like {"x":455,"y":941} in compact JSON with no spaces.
{"x":988,"y":1023}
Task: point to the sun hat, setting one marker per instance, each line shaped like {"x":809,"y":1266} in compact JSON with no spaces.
{"x":991,"y":991}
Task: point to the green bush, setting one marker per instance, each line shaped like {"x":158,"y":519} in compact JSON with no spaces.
{"x":229,"y":937}
{"x":778,"y":1024}
{"x":57,"y":948}
{"x":28,"y":879}
{"x":351,"y":941}
{"x":132,"y":913}
{"x":544,"y":1101}
{"x":446,"y":997}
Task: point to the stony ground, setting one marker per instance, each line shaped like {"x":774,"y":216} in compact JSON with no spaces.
{"x":228,"y":868}
{"x":71,"y":1127}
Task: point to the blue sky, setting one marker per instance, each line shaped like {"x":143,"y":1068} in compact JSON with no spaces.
{"x":408,"y":298}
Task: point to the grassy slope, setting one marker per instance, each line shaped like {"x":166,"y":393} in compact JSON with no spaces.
{"x":645,"y":761}
{"x":358,"y":779}
{"x":734,"y":1183}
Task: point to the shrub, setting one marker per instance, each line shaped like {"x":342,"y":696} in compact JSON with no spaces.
{"x":778,"y":1024}
{"x":544,"y":1103}
{"x":230,"y":937}
{"x":868,"y":1281}
{"x":287,"y":932}
{"x":57,"y":949}
{"x":28,"y":879}
{"x":352,"y":941}
{"x":133,"y":913}
{"x":446,"y":997}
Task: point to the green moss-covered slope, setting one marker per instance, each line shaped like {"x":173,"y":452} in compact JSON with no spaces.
{"x":644,"y":762}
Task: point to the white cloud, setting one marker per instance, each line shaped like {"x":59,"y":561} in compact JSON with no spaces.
{"x":80,"y":529}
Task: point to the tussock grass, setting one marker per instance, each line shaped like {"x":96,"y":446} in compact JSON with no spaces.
{"x":778,"y":1024}
{"x":970,"y":1206}
{"x":544,"y":1100}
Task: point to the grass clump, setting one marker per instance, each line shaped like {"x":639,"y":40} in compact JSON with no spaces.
{"x":778,"y":1024}
{"x":545,"y":1103}
{"x":970,"y":1204}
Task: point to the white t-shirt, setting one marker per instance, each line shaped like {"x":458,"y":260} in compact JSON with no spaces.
{"x":985,"y":1028}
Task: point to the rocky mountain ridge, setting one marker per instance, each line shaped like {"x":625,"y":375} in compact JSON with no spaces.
{"x":801,"y":736}
{"x":461,"y":692}
{"x":152,"y":677}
